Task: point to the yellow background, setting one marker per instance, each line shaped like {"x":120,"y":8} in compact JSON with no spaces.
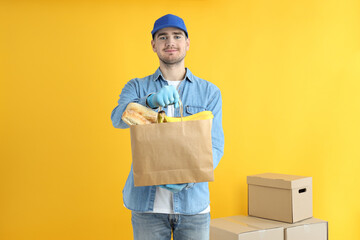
{"x":289,"y":75}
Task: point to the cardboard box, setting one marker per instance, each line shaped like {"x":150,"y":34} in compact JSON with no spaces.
{"x":280,"y":197}
{"x":234,"y":228}
{"x":309,"y":229}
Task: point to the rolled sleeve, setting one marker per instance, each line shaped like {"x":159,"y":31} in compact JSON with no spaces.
{"x":130,"y":93}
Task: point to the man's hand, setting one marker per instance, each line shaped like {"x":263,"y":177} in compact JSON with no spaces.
{"x":166,"y":96}
{"x":174,"y":188}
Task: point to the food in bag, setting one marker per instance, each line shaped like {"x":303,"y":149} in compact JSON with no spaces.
{"x":137,"y":114}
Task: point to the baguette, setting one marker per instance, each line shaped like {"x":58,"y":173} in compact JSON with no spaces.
{"x":136,"y":114}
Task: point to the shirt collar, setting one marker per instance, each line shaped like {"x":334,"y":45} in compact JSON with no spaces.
{"x":188,"y":76}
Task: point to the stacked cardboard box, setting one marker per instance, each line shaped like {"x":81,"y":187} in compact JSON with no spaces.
{"x":252,"y":228}
{"x":280,"y":197}
{"x":232,"y":228}
{"x":279,"y":208}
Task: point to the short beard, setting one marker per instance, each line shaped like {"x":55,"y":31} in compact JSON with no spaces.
{"x":172,"y":63}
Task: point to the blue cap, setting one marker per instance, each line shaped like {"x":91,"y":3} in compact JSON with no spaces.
{"x":169,"y":20}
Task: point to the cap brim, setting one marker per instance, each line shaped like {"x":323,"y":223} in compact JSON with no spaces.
{"x":165,"y":26}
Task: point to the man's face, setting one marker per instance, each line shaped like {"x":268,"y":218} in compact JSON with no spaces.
{"x":171,"y":45}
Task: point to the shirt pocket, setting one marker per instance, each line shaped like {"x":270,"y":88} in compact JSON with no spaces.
{"x":190,"y":110}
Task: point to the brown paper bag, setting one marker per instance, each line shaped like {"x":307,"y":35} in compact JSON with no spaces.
{"x":172,"y":153}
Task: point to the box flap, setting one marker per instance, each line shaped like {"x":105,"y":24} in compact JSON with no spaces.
{"x":256,"y":222}
{"x":277,"y":180}
{"x":246,"y":228}
{"x":230,"y":226}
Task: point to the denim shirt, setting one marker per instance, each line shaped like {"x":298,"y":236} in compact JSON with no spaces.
{"x":196,"y":95}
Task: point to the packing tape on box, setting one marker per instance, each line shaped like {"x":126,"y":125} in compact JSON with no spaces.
{"x":237,"y":221}
{"x":261,"y":232}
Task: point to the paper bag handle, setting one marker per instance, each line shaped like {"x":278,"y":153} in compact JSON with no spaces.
{"x":181,"y":109}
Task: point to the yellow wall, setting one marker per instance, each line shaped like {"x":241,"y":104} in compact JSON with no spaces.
{"x":289,"y":74}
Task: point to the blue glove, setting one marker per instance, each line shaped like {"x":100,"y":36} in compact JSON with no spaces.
{"x":166,"y":96}
{"x":174,"y":188}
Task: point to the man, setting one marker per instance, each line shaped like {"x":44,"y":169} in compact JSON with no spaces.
{"x":181,"y":209}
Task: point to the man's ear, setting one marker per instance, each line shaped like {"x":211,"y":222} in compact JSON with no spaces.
{"x":153,"y":45}
{"x":187,"y":44}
